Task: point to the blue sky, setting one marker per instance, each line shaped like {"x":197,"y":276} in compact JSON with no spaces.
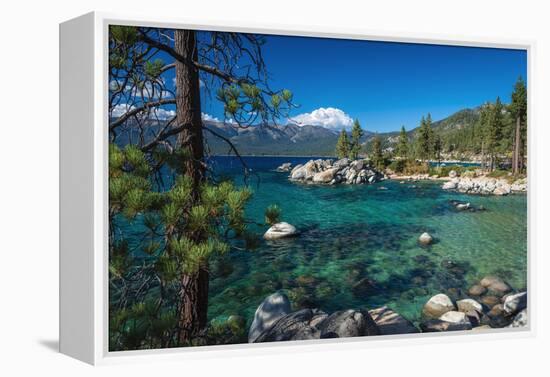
{"x":383,"y":84}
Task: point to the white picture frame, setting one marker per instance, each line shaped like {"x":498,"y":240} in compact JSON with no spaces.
{"x":84,"y":191}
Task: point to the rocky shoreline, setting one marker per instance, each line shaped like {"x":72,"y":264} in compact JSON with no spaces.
{"x":346,"y":171}
{"x":485,"y":185}
{"x":490,"y":303}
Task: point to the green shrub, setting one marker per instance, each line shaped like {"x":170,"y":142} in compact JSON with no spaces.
{"x":272,"y":214}
{"x":415,"y":167}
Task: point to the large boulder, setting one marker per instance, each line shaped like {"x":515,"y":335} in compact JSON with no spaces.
{"x":453,"y":174}
{"x":456,"y":317}
{"x":437,"y":306}
{"x":270,"y":310}
{"x":450,"y":185}
{"x":466,"y":305}
{"x":496,"y":317}
{"x":515,"y":303}
{"x":502,"y":190}
{"x":325,"y":176}
{"x":390,"y":322}
{"x":348,"y":323}
{"x":495,"y":285}
{"x":280,"y":230}
{"x":301,"y":325}
{"x":305,"y":172}
{"x":425,"y":239}
{"x":520,"y":320}
{"x":342,"y":163}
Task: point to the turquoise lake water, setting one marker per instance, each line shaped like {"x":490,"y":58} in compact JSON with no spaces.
{"x":358,"y":244}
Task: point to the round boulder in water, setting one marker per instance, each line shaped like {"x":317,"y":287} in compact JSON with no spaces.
{"x":280,"y":230}
{"x":425,"y":239}
{"x":437,"y":306}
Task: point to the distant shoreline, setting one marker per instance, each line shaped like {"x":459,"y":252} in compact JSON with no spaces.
{"x":333,"y":157}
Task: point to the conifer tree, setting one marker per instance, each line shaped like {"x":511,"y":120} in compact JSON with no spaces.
{"x":424,"y":139}
{"x":493,"y":136}
{"x":518,"y":108}
{"x":343,"y":145}
{"x":377,"y":154}
{"x":355,"y":144}
{"x":184,"y":220}
{"x":403,"y":144}
{"x":438,"y":146}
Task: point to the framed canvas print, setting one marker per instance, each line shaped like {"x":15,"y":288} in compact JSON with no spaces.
{"x":241,"y":187}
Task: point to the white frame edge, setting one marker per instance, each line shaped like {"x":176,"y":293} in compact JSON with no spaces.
{"x":83,"y":212}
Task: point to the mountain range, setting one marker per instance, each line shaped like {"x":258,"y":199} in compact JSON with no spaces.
{"x":310,"y":140}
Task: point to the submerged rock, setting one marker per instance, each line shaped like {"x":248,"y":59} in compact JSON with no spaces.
{"x":477,"y":290}
{"x":280,"y":230}
{"x":390,"y":322}
{"x":425,"y":239}
{"x":462,"y":206}
{"x":348,"y":323}
{"x":495,"y":285}
{"x":268,"y":312}
{"x":363,"y":288}
{"x":490,"y":300}
{"x":437,"y":306}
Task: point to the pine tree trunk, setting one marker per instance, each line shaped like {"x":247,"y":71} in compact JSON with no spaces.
{"x":193,"y":298}
{"x":517,"y":146}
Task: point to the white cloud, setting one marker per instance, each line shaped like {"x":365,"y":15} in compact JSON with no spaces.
{"x":163,"y":114}
{"x":156,"y":113}
{"x":120,"y":109}
{"x":329,"y":117}
{"x":209,"y":117}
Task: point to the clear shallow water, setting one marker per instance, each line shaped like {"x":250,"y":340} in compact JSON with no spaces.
{"x":358,"y":244}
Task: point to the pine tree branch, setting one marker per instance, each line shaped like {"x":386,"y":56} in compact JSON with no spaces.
{"x":146,"y":106}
